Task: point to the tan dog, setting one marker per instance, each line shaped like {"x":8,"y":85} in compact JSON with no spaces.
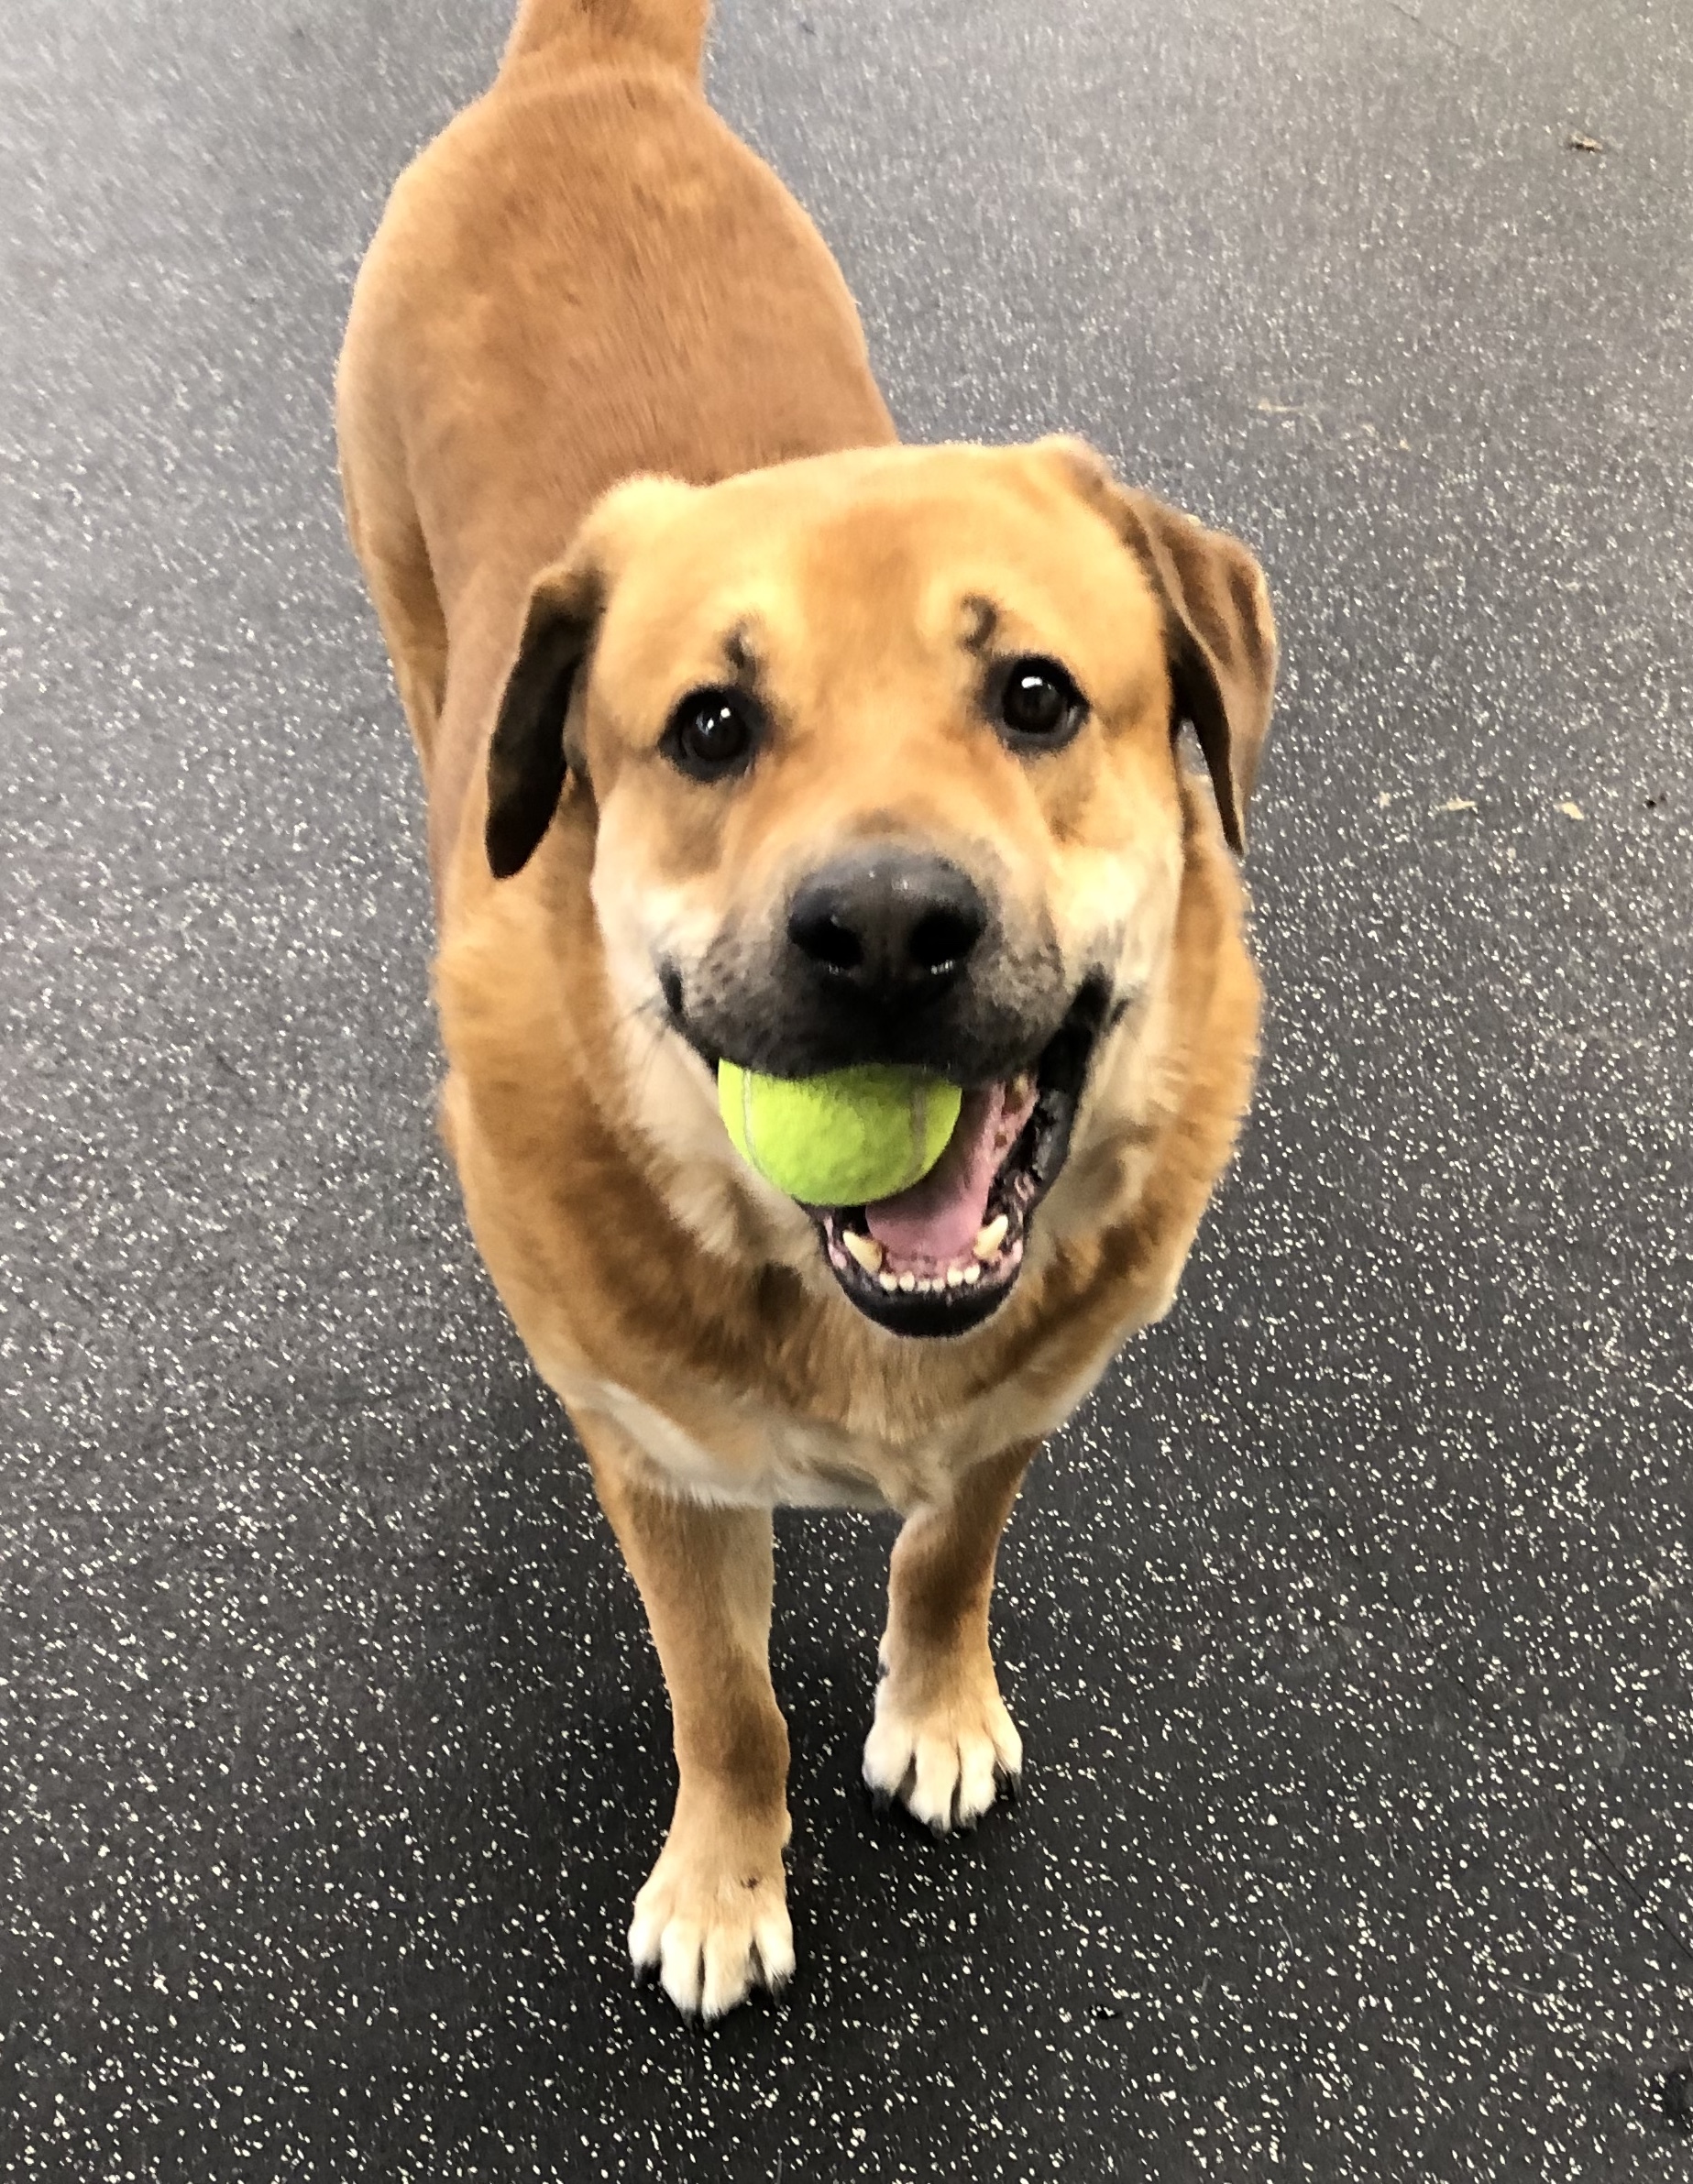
{"x":750,"y":734}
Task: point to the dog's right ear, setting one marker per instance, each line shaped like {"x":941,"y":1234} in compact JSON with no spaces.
{"x":529,"y":755}
{"x":526,"y":763}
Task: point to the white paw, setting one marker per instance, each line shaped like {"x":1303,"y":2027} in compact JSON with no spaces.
{"x":715,"y":1925}
{"x":944,"y":1760}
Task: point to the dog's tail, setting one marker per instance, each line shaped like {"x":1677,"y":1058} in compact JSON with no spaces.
{"x":671,"y":30}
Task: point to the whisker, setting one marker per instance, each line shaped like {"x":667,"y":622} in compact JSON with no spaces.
{"x":652,"y":1011}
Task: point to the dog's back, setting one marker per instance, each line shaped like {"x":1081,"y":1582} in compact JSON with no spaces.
{"x":586,"y":275}
{"x":579,"y":31}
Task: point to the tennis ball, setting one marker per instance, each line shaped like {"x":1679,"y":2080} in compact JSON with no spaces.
{"x":845,"y":1137}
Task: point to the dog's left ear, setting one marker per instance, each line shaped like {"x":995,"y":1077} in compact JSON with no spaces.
{"x":1219,"y":629}
{"x":529,"y":755}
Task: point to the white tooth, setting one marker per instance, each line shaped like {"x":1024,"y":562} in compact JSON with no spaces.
{"x":864,"y":1249}
{"x":973,"y":1274}
{"x":907,"y":1282}
{"x":888,"y":1282}
{"x":991,"y":1235}
{"x":956,"y":1278}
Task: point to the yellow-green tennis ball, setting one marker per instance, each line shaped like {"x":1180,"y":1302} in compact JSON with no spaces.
{"x":845,"y":1137}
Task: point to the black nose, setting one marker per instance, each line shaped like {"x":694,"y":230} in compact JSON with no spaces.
{"x":887,"y":920}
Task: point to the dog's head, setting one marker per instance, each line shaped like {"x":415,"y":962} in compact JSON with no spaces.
{"x":883,"y":751}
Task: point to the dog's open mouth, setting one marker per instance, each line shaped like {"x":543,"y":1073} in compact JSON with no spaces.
{"x":938,"y":1259}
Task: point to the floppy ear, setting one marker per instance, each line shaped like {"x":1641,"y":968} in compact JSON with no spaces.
{"x":526,"y":762}
{"x":527,"y":759}
{"x":1220,"y":633}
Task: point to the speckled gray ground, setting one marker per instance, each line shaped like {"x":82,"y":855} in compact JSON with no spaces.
{"x":1350,"y":1628}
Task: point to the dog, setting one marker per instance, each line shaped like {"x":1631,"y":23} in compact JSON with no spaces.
{"x":749,"y":734}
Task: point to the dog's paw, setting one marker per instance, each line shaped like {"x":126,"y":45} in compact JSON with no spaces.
{"x":713,"y":1923}
{"x":946,"y":1757}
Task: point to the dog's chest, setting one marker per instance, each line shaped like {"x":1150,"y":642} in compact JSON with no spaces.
{"x":749,"y":1453}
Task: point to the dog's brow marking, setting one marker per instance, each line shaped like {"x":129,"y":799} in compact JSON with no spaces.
{"x":739,"y":653}
{"x":984,"y":620}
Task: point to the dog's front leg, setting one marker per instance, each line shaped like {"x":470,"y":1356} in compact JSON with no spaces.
{"x":713,"y":1913}
{"x":943,"y":1739}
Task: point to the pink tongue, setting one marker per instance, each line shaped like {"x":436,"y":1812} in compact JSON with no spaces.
{"x":938,"y":1218}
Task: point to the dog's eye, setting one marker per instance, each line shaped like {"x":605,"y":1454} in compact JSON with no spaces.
{"x":711,"y":732}
{"x":1038,"y":703}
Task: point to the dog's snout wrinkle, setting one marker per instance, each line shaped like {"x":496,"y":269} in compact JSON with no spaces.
{"x":888,"y":921}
